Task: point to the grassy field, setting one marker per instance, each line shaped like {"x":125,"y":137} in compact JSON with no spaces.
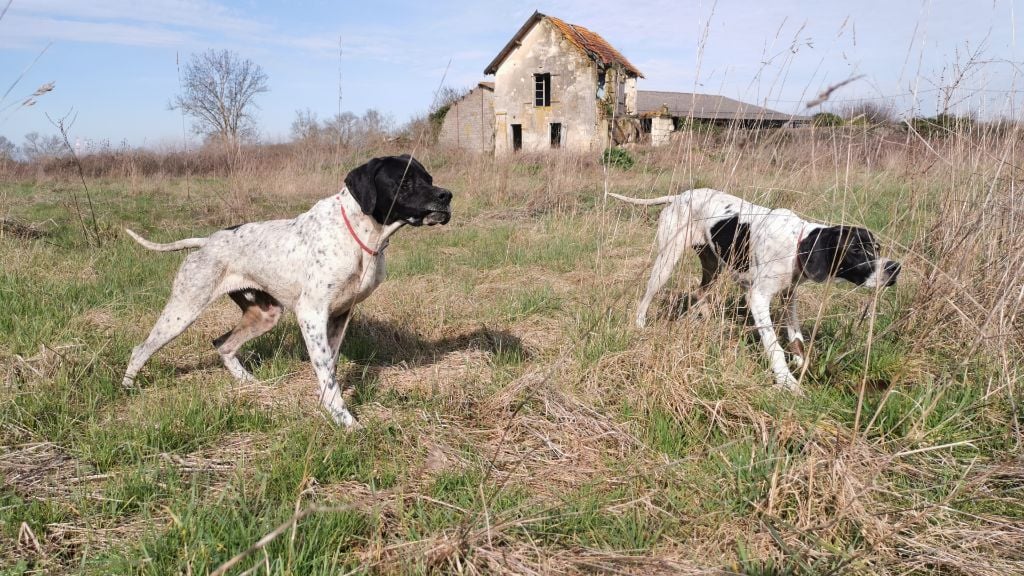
{"x":515,"y":419}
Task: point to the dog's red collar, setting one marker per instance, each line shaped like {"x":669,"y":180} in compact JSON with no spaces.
{"x":355,"y":236}
{"x":799,"y":239}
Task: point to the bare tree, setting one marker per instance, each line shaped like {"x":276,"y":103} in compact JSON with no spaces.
{"x":37,"y":147}
{"x":341,"y":129}
{"x":306,"y":127}
{"x":345,"y":129}
{"x":219,"y":90}
{"x":7,"y":149}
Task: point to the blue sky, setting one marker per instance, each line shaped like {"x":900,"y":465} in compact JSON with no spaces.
{"x":113,"y":61}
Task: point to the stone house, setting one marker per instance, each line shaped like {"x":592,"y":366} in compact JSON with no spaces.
{"x":560,"y":85}
{"x":556,"y":85}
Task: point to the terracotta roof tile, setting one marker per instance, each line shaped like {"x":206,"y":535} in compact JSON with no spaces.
{"x":591,"y":43}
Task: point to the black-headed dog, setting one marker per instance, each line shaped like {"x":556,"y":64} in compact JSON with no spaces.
{"x":768,"y":250}
{"x":319,"y":264}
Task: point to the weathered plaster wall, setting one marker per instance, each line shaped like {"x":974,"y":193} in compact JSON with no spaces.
{"x":469,"y":123}
{"x":661,"y":130}
{"x":631,"y":96}
{"x":544,"y":50}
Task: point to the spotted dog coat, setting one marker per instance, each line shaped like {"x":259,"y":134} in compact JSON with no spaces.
{"x":769,"y":251}
{"x":319,"y":264}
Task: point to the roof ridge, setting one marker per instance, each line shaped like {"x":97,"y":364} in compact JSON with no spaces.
{"x":593,"y":45}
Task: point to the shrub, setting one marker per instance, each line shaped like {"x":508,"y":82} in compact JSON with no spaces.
{"x":871,"y":113}
{"x":826,"y":119}
{"x":941,"y":125}
{"x":618,"y":158}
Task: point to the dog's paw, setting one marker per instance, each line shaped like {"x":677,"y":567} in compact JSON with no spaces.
{"x":790,"y":384}
{"x":245,"y":377}
{"x":342,"y":417}
{"x":797,"y":362}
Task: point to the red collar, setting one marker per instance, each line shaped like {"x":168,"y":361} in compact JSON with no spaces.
{"x":355,"y":236}
{"x":799,"y":239}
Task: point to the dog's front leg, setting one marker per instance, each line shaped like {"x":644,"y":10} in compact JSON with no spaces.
{"x":313,"y":324}
{"x":760,"y":310}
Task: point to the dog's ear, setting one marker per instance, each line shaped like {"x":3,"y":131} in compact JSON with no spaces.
{"x":362,"y":185}
{"x":818,"y":253}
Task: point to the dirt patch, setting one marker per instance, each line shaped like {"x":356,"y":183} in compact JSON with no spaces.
{"x":40,"y":366}
{"x":446,"y":376}
{"x":544,"y":436}
{"x":12,"y":228}
{"x":102,"y":319}
{"x":43,"y":470}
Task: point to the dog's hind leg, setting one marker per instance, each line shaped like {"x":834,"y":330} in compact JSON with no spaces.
{"x":336,"y":327}
{"x":191,"y":292}
{"x":260,"y":313}
{"x":670,"y":248}
{"x":793,"y":333}
{"x":709,"y":268}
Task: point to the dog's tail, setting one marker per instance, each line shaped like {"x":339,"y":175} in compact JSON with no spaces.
{"x":171,"y":247}
{"x":644,"y":201}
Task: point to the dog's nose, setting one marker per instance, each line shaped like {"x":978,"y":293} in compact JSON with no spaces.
{"x":444,"y":195}
{"x":892,"y":270}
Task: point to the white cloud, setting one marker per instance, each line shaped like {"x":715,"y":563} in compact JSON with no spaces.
{"x":189,"y":23}
{"x":23,"y":30}
{"x":184,"y":13}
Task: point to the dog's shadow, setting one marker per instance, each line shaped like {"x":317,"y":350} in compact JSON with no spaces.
{"x":677,"y":305}
{"x":733,"y":308}
{"x":372,"y":345}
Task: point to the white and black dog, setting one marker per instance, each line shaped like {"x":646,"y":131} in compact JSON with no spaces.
{"x":319,"y":264}
{"x":769,"y":251}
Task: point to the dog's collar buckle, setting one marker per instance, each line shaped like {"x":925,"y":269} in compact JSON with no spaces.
{"x":352,"y":231}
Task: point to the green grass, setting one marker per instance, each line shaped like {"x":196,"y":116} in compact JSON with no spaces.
{"x":510,"y":407}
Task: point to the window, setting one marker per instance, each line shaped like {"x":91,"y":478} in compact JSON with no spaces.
{"x":556,"y":134}
{"x":517,"y":137}
{"x":542,"y":93}
{"x":600,"y":84}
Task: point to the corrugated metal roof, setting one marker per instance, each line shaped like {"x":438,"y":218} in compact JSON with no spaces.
{"x":704,"y":107}
{"x":591,"y":43}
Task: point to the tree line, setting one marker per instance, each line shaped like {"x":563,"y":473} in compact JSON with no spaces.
{"x":219,"y":92}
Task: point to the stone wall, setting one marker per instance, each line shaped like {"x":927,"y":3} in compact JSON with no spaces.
{"x":662,"y":128}
{"x":469,"y":123}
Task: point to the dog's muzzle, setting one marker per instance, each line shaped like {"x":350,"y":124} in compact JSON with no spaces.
{"x":438,"y":217}
{"x":439,"y":210}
